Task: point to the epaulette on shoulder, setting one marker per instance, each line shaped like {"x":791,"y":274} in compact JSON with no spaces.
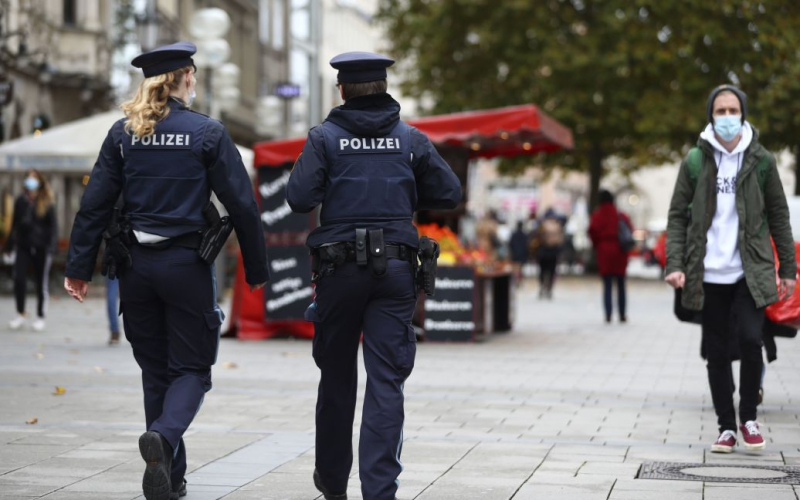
{"x":199,"y":113}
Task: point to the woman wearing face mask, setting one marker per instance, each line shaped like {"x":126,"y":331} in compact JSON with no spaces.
{"x":165,"y":160}
{"x":33,"y":239}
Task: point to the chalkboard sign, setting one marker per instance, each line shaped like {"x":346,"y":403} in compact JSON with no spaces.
{"x":275,"y":212}
{"x":449,"y":314}
{"x":289,"y":292}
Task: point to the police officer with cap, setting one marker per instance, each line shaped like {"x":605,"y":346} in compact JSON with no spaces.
{"x":370,"y":171}
{"x":165,"y":160}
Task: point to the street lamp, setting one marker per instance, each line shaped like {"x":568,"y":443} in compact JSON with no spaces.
{"x":147,"y":27}
{"x":208,"y":27}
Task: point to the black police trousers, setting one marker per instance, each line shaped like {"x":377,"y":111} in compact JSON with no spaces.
{"x":719,"y":331}
{"x":348,"y":302}
{"x":169,"y":309}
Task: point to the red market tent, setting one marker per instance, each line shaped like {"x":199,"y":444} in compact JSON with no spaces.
{"x":503,"y":132}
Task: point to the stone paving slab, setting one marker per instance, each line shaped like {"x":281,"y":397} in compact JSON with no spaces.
{"x":565,"y":407}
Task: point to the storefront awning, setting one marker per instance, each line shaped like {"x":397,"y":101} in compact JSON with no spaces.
{"x":69,"y":148}
{"x":504,"y":132}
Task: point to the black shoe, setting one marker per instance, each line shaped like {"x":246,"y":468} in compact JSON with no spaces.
{"x":178,"y":491}
{"x":157,"y":452}
{"x":322,"y":489}
{"x":114,"y":339}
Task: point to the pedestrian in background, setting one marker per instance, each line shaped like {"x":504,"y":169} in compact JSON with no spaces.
{"x":612,"y":259}
{"x":364,"y":256}
{"x":166,"y":160}
{"x":112,"y":308}
{"x":33,"y":239}
{"x":551,"y":241}
{"x":723,"y":261}
{"x":518,"y":246}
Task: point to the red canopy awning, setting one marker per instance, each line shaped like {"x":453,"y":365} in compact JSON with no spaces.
{"x":506,"y":132}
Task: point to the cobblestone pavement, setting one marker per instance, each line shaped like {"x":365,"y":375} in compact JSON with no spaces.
{"x":564,"y":407}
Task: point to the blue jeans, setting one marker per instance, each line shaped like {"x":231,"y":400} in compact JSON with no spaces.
{"x":112,"y":304}
{"x":607,"y":284}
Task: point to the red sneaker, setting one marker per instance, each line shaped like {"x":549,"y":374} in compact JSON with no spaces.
{"x":751,"y":434}
{"x":725,"y":442}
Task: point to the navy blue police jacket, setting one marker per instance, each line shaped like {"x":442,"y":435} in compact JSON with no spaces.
{"x":369,"y":170}
{"x":166,"y":179}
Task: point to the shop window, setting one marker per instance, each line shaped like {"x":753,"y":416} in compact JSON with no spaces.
{"x":70,"y":12}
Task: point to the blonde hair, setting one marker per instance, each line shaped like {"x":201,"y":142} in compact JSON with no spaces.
{"x":44,"y":195}
{"x":149,"y":106}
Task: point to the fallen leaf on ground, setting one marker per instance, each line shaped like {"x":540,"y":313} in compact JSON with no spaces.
{"x":32,"y":421}
{"x":74,"y":351}
{"x":230,"y":365}
{"x":39,"y":355}
{"x":60,"y":391}
{"x":99,"y":369}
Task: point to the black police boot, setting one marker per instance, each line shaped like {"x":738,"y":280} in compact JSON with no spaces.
{"x":157,"y":452}
{"x":178,"y":491}
{"x":322,"y":489}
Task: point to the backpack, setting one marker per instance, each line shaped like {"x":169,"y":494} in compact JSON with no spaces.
{"x":624,"y":234}
{"x":694,"y":164}
{"x":552,"y":233}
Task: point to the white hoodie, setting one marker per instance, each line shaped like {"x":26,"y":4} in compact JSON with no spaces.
{"x":723,"y":262}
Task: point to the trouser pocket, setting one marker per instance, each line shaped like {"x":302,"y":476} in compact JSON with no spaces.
{"x":408,"y":350}
{"x":312,"y":315}
{"x":214,"y":318}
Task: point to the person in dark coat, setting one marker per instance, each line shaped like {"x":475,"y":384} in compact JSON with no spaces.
{"x":518,"y":246}
{"x":33,"y":239}
{"x":166,"y":160}
{"x":551,"y":241}
{"x":612,"y":260}
{"x":370,"y":171}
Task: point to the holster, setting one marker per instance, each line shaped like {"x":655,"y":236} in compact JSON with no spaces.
{"x":377,"y":250}
{"x":428,"y":256}
{"x":214,"y":238}
{"x":117,"y":256}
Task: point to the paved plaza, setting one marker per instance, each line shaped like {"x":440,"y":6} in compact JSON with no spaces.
{"x":564,"y":407}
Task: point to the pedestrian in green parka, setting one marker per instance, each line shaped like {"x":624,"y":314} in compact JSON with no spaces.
{"x":728,"y":201}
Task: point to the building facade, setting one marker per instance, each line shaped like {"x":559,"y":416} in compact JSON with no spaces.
{"x":54,"y":63}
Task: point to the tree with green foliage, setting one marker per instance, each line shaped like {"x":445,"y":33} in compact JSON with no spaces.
{"x":629,"y":77}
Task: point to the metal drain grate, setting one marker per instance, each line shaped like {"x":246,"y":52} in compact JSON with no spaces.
{"x":721,"y":473}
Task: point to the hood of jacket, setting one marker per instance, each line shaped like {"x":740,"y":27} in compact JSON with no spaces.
{"x":373,"y":115}
{"x":749,"y":133}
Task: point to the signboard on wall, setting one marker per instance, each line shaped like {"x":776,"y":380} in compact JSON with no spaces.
{"x":289,"y":292}
{"x":276,"y":215}
{"x":449,"y":314}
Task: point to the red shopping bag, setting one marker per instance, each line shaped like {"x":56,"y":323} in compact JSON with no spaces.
{"x":786,"y":311}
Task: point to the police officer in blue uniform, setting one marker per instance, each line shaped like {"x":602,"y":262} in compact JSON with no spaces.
{"x":370,"y":171}
{"x":166,"y":160}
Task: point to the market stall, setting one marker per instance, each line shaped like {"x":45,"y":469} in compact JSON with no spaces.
{"x":474,"y":295}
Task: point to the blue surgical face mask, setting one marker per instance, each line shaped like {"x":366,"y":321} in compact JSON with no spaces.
{"x":31,"y":183}
{"x":728,"y":126}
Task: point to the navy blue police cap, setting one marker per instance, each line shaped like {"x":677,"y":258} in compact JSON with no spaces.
{"x":165,"y":59}
{"x":359,"y":67}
